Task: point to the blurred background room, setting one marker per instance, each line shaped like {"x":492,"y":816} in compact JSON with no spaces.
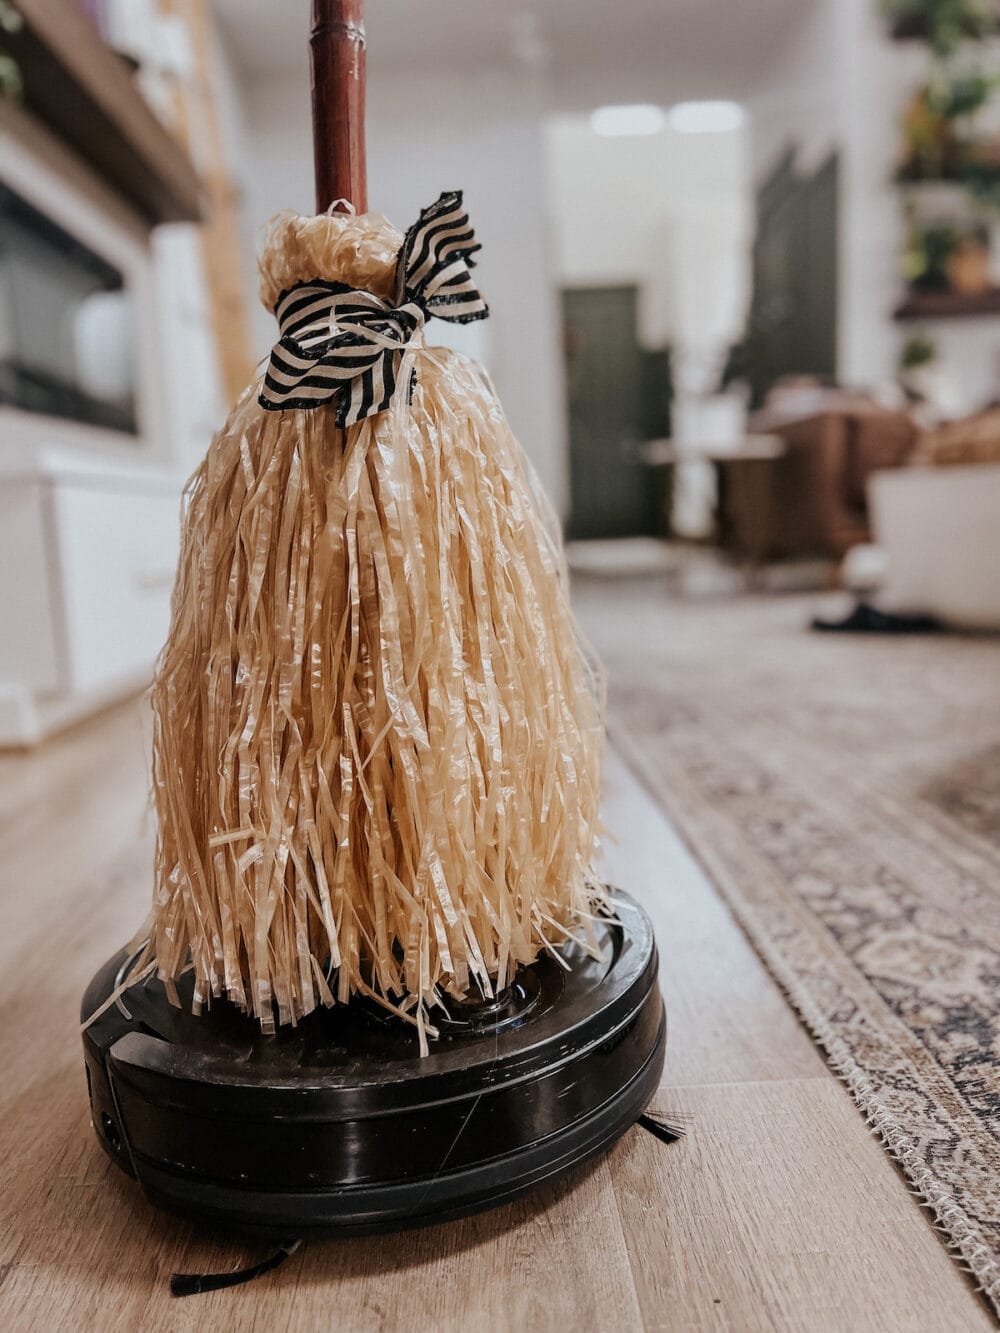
{"x":745,"y":279}
{"x":743,"y":263}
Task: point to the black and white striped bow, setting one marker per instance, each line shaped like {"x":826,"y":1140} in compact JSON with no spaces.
{"x":341,"y":344}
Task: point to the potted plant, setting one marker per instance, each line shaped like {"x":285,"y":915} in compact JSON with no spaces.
{"x":948,"y":257}
{"x":937,"y":127}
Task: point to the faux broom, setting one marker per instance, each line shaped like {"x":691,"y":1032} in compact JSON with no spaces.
{"x":377,"y":739}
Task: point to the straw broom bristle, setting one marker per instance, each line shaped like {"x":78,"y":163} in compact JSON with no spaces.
{"x":377,"y":739}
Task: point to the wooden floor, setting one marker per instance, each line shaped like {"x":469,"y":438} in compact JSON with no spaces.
{"x":779,"y":1211}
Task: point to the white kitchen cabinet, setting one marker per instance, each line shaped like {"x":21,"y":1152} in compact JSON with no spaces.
{"x":87,"y":559}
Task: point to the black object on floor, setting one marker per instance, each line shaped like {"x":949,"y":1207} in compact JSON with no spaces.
{"x":868,"y":619}
{"x":338,"y":1124}
{"x":192,"y":1284}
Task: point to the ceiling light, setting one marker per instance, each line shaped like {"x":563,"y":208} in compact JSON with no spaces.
{"x":705,"y":117}
{"x":618,"y":121}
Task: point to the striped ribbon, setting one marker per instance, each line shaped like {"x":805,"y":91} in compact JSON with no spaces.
{"x":341,"y":345}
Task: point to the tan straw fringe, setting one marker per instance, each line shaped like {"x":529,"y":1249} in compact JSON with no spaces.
{"x":377,"y":738}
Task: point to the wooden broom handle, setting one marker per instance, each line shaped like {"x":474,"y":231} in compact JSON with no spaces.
{"x":337,"y":47}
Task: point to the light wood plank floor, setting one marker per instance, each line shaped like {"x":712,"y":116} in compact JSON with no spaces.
{"x":779,"y":1211}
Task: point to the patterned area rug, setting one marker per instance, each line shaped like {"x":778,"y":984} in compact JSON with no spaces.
{"x":844,"y":794}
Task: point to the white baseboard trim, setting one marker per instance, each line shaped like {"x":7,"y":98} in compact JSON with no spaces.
{"x":27,"y":719}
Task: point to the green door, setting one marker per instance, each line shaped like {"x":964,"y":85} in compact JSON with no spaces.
{"x":618,"y":396}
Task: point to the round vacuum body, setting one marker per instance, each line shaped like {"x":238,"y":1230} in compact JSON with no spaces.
{"x":338,"y":1124}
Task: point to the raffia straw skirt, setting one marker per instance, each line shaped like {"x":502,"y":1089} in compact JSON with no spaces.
{"x":377,"y":737}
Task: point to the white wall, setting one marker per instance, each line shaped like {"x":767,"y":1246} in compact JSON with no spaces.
{"x":801,"y":97}
{"x":668,"y":212}
{"x":481,"y":134}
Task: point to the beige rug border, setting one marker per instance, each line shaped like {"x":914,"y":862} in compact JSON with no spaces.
{"x":959,"y":1233}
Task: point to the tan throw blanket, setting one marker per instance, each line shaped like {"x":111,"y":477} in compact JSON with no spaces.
{"x":974,"y":439}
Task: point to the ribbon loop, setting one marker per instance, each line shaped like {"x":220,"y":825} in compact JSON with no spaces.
{"x":434,"y":263}
{"x":340,"y":344}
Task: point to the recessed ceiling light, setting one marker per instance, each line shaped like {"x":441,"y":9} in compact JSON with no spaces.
{"x":619,"y":121}
{"x":705,"y":117}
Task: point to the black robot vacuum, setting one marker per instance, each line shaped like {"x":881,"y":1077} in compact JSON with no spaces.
{"x":339,"y":1125}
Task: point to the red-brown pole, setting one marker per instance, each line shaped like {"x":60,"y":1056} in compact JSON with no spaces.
{"x":337,"y":47}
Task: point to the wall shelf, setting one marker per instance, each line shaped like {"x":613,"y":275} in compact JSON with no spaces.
{"x":83,"y":92}
{"x":948,"y":305}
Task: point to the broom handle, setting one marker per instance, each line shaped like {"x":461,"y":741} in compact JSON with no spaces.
{"x":337,"y":47}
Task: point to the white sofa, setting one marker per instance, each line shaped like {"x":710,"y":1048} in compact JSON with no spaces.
{"x":939,"y":528}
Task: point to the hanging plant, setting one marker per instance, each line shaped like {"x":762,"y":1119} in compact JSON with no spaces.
{"x":943,"y":24}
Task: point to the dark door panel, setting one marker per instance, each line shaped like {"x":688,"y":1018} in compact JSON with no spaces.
{"x":793,"y":318}
{"x":618,"y":396}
